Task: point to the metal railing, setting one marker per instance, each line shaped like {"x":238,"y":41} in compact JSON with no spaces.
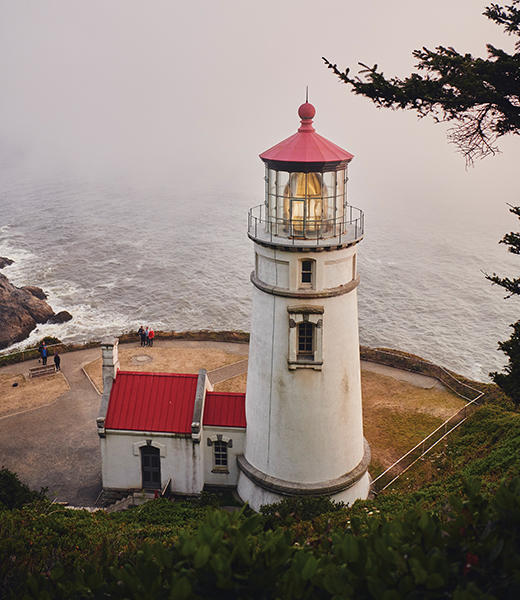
{"x":395,"y":471}
{"x":305,"y":232}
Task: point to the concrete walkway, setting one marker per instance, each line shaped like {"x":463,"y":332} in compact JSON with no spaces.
{"x":422,"y":381}
{"x":228,"y":372}
{"x":57,"y":446}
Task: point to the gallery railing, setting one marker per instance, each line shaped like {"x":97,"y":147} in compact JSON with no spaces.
{"x":263,"y":227}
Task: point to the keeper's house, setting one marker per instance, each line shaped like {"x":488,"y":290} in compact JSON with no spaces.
{"x":166,"y":429}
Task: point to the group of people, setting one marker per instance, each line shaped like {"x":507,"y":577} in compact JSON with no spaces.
{"x":44,"y":353}
{"x":146,"y":334}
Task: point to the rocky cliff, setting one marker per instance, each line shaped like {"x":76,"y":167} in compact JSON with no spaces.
{"x":20,"y":310}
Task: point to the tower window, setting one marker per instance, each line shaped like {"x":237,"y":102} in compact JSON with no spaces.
{"x":305,"y":337}
{"x":305,"y":341}
{"x":307,"y":273}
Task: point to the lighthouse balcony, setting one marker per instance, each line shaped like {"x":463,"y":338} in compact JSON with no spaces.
{"x":266,"y":229}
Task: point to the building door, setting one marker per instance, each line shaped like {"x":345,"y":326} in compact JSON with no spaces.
{"x":151,"y":467}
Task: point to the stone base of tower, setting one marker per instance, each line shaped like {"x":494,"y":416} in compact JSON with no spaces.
{"x":258,"y":489}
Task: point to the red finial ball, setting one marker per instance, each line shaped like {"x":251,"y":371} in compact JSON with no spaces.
{"x":306,"y":111}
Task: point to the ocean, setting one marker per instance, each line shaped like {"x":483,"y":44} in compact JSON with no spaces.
{"x":177,"y":257}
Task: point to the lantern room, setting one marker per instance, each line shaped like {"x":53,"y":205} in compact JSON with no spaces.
{"x":306,"y":190}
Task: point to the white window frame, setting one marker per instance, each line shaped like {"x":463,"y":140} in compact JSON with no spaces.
{"x":221,"y":439}
{"x":307,"y":285}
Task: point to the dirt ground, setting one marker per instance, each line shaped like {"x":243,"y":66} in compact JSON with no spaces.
{"x":397,"y":415}
{"x":235,"y":384}
{"x":29,"y":393}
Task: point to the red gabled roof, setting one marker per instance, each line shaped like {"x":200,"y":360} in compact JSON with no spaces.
{"x":306,"y":146}
{"x":161,"y":402}
{"x":225,"y":409}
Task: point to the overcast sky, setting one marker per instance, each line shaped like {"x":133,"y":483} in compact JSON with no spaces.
{"x":156,"y":90}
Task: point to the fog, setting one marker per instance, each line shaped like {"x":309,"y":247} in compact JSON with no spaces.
{"x":152,"y":90}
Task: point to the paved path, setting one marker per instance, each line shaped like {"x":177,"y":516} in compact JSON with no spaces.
{"x":227,"y":372}
{"x":57,"y":446}
{"x":422,"y":381}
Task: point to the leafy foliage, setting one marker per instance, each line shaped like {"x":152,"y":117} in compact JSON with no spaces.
{"x":482,"y":96}
{"x":472,"y":553}
{"x":509,"y":381}
{"x":302,"y":507}
{"x":14,"y":493}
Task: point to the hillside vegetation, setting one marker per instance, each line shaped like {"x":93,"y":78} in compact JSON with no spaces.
{"x":451,"y":530}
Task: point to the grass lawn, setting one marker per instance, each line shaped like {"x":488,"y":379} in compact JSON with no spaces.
{"x":398,"y":415}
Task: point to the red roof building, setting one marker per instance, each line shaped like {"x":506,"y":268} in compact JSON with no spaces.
{"x":167,"y":429}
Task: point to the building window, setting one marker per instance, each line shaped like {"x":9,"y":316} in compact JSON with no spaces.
{"x":307,"y":273}
{"x":221,"y":445}
{"x":305,"y":341}
{"x":220,"y":456}
{"x":305,"y":337}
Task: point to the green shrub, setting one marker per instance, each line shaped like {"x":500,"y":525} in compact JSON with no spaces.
{"x":302,"y":507}
{"x":14,"y":493}
{"x":472,"y":553}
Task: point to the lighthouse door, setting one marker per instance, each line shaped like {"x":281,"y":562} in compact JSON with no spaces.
{"x":151,"y":467}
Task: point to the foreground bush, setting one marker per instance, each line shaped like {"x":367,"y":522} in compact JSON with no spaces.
{"x":14,"y":493}
{"x":472,"y":551}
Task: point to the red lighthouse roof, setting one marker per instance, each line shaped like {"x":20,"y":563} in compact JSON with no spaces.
{"x":306,"y":150}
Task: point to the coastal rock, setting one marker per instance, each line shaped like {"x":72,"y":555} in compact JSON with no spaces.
{"x":20,"y":312}
{"x":5,"y":262}
{"x":62,"y":317}
{"x":35,"y":291}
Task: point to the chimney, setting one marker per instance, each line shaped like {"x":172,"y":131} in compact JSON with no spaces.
{"x":109,"y":352}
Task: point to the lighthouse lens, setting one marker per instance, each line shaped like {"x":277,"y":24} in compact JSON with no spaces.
{"x":305,"y":203}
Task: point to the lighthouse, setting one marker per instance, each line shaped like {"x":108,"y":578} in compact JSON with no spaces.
{"x":303,"y":398}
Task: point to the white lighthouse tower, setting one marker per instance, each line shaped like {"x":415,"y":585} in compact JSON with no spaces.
{"x":303,"y":399}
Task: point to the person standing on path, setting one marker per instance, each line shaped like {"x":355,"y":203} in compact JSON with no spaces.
{"x":151,"y":335}
{"x":146,"y":340}
{"x":57,"y":360}
{"x":141,"y":335}
{"x":43,"y":353}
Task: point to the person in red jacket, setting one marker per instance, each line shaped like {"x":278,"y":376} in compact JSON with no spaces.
{"x":151,"y":335}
